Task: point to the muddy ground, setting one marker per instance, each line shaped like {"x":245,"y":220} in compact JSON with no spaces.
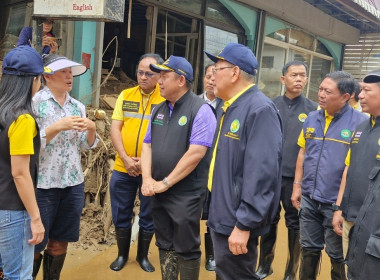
{"x":93,"y":262}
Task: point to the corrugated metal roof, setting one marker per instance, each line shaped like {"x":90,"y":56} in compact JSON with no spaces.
{"x":370,"y":6}
{"x":361,"y":14}
{"x":363,"y":57}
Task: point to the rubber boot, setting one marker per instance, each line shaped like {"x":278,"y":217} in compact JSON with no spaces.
{"x":36,"y":266}
{"x":52,"y":266}
{"x":337,"y":270}
{"x":189,"y":269}
{"x":145,"y":238}
{"x":169,"y":264}
{"x":123,"y":238}
{"x":209,"y":250}
{"x":309,"y":264}
{"x":294,"y":255}
{"x":267,"y":246}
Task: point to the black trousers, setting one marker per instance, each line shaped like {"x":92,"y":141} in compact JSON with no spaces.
{"x":232,"y":267}
{"x":176,"y":219}
{"x":291,"y":213}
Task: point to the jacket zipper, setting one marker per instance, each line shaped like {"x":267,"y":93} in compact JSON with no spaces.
{"x":319,"y":157}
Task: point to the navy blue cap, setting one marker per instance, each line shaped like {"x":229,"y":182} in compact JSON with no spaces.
{"x":24,"y":61}
{"x":239,"y":55}
{"x":176,"y":64}
{"x":372,"y":77}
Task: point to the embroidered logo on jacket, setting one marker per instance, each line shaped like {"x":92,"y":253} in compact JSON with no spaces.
{"x":302,"y":117}
{"x":234,"y":127}
{"x":310,"y":132}
{"x":182,"y":121}
{"x":345,"y":133}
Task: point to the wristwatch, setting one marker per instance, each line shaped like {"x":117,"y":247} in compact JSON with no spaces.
{"x":336,"y":207}
{"x":166,"y":182}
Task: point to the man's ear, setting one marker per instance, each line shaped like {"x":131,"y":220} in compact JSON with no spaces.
{"x":346,"y":96}
{"x":182,"y":81}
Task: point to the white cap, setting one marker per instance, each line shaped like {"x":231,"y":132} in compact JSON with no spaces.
{"x":56,"y":63}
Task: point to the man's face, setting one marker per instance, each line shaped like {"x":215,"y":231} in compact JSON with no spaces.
{"x":169,"y":84}
{"x":223,"y":73}
{"x":370,"y":98}
{"x":329,"y":97}
{"x":207,"y":81}
{"x":295,"y":79}
{"x":146,"y":78}
{"x":61,"y":80}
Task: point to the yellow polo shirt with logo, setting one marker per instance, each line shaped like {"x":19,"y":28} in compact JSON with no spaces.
{"x":134,"y":109}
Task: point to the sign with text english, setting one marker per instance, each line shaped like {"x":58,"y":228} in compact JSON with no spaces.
{"x":96,"y":10}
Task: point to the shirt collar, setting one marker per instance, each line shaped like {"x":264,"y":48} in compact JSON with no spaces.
{"x":229,"y":102}
{"x":46,"y":94}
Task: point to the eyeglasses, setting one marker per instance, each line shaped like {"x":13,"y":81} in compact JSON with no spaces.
{"x":147,"y":74}
{"x":215,"y":69}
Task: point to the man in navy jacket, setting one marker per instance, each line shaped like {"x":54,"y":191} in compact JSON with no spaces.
{"x":245,"y":170}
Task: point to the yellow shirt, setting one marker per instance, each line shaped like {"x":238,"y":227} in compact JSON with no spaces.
{"x":21,"y":133}
{"x":134,"y":108}
{"x":225,"y":106}
{"x":301,"y":139}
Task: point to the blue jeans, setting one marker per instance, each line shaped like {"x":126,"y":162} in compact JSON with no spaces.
{"x":15,"y":251}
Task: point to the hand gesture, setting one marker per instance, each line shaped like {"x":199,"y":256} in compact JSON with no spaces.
{"x":160,"y":187}
{"x":147,"y":188}
{"x":69,"y":123}
{"x":131,"y":166}
{"x":84,"y":124}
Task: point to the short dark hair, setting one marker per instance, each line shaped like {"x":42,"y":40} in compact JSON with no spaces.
{"x":357,"y":90}
{"x":294,"y":62}
{"x":208,"y":66}
{"x":156,"y":56}
{"x":345,"y":81}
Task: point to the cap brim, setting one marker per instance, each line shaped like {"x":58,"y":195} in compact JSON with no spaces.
{"x":159,"y":67}
{"x":59,"y":64}
{"x":372,"y":78}
{"x":214,"y":58}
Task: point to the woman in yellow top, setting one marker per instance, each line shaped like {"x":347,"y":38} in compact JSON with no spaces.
{"x":20,"y":222}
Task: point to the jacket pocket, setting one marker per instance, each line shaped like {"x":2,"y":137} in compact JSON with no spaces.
{"x":375,"y":170}
{"x":373,"y":246}
{"x":370,"y":268}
